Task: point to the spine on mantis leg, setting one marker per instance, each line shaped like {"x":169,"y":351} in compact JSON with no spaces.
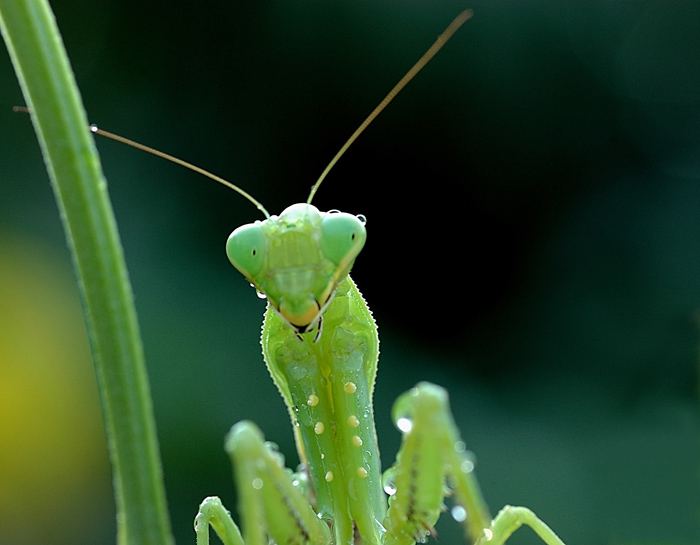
{"x":327,"y":383}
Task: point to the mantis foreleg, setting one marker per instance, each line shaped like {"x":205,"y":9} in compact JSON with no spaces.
{"x":433,"y":459}
{"x":271,"y":506}
{"x":213,"y":513}
{"x":327,"y":383}
{"x":510,"y":518}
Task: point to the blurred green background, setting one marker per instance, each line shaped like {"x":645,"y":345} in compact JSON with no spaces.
{"x":533,"y":205}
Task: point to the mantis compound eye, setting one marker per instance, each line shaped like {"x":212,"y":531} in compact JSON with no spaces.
{"x":245,"y":249}
{"x":342,"y":237}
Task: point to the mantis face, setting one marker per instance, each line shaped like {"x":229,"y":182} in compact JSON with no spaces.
{"x":298,"y":258}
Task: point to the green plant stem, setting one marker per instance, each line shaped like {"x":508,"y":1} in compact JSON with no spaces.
{"x":49,"y":88}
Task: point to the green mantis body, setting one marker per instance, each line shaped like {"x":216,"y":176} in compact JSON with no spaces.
{"x":326,"y":378}
{"x":321,"y":347}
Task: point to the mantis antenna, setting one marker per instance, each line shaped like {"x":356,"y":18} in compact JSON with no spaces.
{"x":148,"y":149}
{"x":180,"y":162}
{"x":427,"y":56}
{"x":425,"y":59}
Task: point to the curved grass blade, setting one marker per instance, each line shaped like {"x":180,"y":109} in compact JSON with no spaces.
{"x":44,"y":73}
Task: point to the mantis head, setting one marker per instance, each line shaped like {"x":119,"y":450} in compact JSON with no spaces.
{"x":298,"y":258}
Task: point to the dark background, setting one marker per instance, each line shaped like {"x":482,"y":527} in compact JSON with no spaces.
{"x":533,"y":208}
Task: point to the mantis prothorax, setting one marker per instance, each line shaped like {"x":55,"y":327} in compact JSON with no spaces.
{"x":320,"y":344}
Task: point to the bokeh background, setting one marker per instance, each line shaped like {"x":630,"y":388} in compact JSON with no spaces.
{"x":533,"y":204}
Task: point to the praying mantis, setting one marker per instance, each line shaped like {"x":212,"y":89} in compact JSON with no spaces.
{"x":321,"y":347}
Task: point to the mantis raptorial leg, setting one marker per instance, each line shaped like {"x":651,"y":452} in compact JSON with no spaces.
{"x":320,"y":344}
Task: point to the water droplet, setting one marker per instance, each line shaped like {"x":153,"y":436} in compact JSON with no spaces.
{"x":459,"y":513}
{"x":94,"y":128}
{"x":452,"y":484}
{"x":488,"y":534}
{"x":304,"y":416}
{"x":460,"y":446}
{"x":298,"y":372}
{"x":467,"y":466}
{"x":388,"y":481}
{"x":333,"y":211}
{"x":257,"y":483}
{"x":362,"y":218}
{"x":275,"y":452}
{"x":260,"y":294}
{"x":404,"y":424}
